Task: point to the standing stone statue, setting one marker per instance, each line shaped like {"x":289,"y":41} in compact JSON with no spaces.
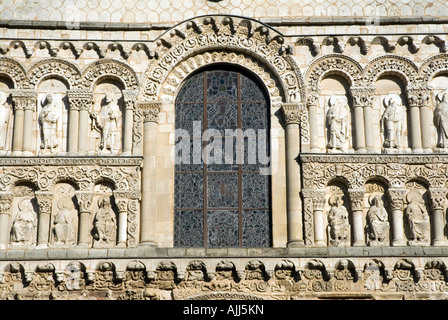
{"x":64,"y":227}
{"x":392,"y":122}
{"x":5,"y":114}
{"x":441,"y":119}
{"x":48,"y":120}
{"x":105,"y":222}
{"x":377,"y":224}
{"x":339,"y":227}
{"x":337,"y":121}
{"x":418,"y":219}
{"x":25,"y":223}
{"x":107,"y":122}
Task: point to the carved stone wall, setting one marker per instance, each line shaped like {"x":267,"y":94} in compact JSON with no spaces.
{"x":358,"y":121}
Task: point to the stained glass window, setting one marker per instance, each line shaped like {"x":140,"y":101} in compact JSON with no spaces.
{"x":222,"y":175}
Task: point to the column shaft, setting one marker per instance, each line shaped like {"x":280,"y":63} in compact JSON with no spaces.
{"x":370,"y":141}
{"x":426,"y":123}
{"x":83,"y":131}
{"x":148,"y":218}
{"x":128,"y":126}
{"x":358,"y":228}
{"x":416,"y":136}
{"x":319,"y":221}
{"x":293,"y":179}
{"x":18,"y":130}
{"x":73,"y":131}
{"x":396,"y":199}
{"x":312,"y":109}
{"x":359,"y":129}
{"x":27,"y":131}
{"x":122,"y":228}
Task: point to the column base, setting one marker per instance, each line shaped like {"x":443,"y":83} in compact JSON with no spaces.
{"x":42,"y":246}
{"x":362,"y":150}
{"x":295,"y":244}
{"x":439,"y":243}
{"x":359,"y":244}
{"x":320,"y":243}
{"x":399,"y":243}
{"x":121,"y":245}
{"x":148,"y":244}
{"x":419,"y":150}
{"x":82,"y":246}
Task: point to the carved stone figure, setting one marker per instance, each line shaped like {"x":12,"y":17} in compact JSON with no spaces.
{"x":392,"y":122}
{"x":5,"y":113}
{"x":105,"y":222}
{"x":107,"y":122}
{"x":377,"y":224}
{"x":64,"y":226}
{"x":441,"y":119}
{"x":418,"y":218}
{"x":25,"y":223}
{"x":48,"y":120}
{"x":337,"y":121}
{"x":339,"y":227}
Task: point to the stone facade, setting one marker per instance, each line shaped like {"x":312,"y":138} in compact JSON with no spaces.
{"x":358,"y":138}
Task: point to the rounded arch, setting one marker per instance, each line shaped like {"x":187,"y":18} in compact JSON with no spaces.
{"x":109,"y":68}
{"x":378,"y":179}
{"x":390,"y":64}
{"x":196,"y":43}
{"x":53,"y":67}
{"x":432,"y":67}
{"x":339,"y":64}
{"x":13,"y":70}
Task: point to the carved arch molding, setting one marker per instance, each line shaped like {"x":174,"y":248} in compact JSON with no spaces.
{"x":247,"y":43}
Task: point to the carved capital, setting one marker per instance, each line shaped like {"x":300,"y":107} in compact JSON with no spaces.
{"x":80,"y":99}
{"x":24,"y":99}
{"x":151,"y":110}
{"x":396,"y":197}
{"x":356,"y":198}
{"x":130,"y":98}
{"x":362,"y":96}
{"x":418,"y":96}
{"x":44,"y":199}
{"x":5,"y":202}
{"x":291,"y":112}
{"x":84,"y":200}
{"x":319,"y":203}
{"x":312,"y":99}
{"x":438,"y":197}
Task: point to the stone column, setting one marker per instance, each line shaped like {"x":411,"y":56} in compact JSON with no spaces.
{"x":293,"y":179}
{"x":357,"y":201}
{"x":73,"y":122}
{"x":85,"y":199}
{"x":44,"y":200}
{"x":420,"y":97}
{"x":5,"y":213}
{"x":122,"y":204}
{"x":130,"y":97}
{"x":148,"y":211}
{"x":84,"y":100}
{"x":319,"y":219}
{"x":416,"y":99}
{"x":396,"y":197}
{"x":363,"y":98}
{"x":438,"y":196}
{"x":25,"y":105}
{"x":19,"y":109}
{"x":312,"y":102}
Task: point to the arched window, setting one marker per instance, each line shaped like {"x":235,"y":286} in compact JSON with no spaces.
{"x":222,"y":171}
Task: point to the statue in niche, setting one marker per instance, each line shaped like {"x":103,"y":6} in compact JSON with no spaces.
{"x":23,"y":229}
{"x":48,"y":120}
{"x":339,"y":227}
{"x":337,"y":121}
{"x":107,"y":123}
{"x":441,"y":119}
{"x":418,"y":218}
{"x":392,"y":122}
{"x":64,"y":222}
{"x":105,"y":222}
{"x":377,"y":222}
{"x":5,"y":114}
